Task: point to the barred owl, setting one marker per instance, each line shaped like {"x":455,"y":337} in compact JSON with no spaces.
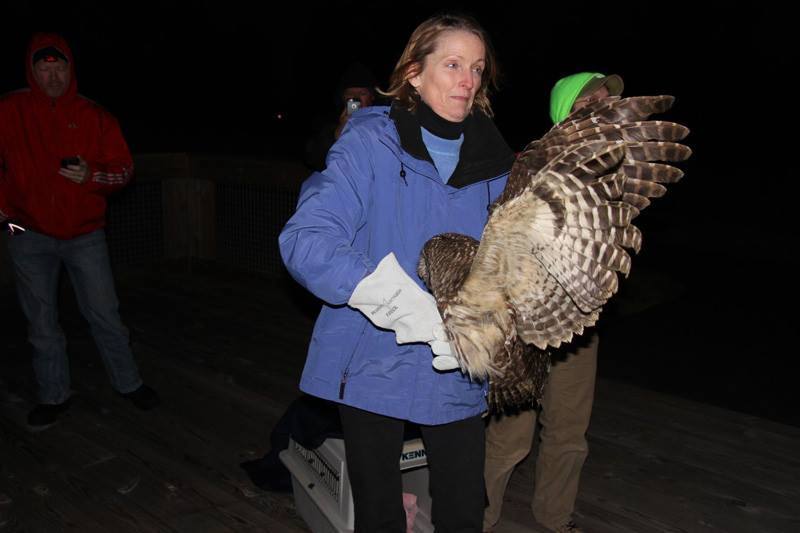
{"x":555,"y":240}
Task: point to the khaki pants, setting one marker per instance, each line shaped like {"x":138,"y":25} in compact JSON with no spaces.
{"x":565,"y":412}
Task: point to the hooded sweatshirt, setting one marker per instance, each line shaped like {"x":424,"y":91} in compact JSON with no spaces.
{"x":36,"y":133}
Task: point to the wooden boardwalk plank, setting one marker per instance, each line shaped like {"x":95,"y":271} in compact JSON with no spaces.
{"x":225,"y":353}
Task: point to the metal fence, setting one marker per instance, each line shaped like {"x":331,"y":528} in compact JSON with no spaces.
{"x":249,"y":218}
{"x":135,"y":225}
{"x":249,"y":204}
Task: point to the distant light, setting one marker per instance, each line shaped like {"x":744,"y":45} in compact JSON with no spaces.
{"x":280,"y":115}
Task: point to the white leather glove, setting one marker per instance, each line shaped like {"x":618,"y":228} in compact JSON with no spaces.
{"x":390,"y":299}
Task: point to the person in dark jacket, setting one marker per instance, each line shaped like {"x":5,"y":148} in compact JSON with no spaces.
{"x":309,"y":420}
{"x":355,"y":90}
{"x":430,"y":163}
{"x":60,"y":156}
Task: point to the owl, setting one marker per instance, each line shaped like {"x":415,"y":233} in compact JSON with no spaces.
{"x":555,"y":243}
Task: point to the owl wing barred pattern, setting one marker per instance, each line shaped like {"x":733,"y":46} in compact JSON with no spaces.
{"x":444,"y":264}
{"x":556,"y":238}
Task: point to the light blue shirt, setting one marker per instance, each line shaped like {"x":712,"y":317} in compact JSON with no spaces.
{"x":444,"y":152}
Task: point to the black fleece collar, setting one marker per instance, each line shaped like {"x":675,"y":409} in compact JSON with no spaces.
{"x":484,"y":154}
{"x":437,"y":125}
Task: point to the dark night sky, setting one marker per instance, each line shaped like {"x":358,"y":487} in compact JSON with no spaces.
{"x":210,"y":76}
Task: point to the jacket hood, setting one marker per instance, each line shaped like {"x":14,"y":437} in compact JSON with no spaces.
{"x":45,"y":40}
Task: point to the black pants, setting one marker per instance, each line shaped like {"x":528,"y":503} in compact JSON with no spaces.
{"x":455,"y":454}
{"x":307,"y":420}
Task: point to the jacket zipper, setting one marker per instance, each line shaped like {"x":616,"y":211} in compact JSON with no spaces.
{"x":346,"y":372}
{"x":342,"y":384}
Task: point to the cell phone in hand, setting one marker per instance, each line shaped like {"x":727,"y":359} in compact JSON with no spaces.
{"x":353,"y":105}
{"x":70,"y":161}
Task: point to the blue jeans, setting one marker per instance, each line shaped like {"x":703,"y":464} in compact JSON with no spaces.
{"x":37,"y":261}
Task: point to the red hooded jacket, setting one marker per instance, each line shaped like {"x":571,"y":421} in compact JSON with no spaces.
{"x":36,"y":133}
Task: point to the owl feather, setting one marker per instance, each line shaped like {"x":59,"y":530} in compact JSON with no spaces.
{"x":555,"y":243}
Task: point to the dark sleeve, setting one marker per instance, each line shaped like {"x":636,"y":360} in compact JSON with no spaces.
{"x":317,"y":147}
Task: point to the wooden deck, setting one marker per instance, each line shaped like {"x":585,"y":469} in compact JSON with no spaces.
{"x":225,"y":352}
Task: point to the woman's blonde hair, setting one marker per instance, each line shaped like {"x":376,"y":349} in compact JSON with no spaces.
{"x":422,"y":43}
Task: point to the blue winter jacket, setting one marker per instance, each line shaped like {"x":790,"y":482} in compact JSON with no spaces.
{"x":373,"y":198}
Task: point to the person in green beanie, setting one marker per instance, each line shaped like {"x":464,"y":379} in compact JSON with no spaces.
{"x":578,"y":90}
{"x":566,"y":406}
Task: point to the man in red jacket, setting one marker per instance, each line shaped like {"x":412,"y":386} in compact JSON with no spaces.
{"x":60,"y":156}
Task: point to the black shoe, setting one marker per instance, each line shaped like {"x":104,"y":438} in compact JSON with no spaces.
{"x":144,"y":398}
{"x":45,"y":414}
{"x":268,"y":473}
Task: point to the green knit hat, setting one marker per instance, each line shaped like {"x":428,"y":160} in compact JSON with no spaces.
{"x":567,"y":90}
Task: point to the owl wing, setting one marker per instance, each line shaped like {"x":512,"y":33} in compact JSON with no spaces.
{"x":444,"y":264}
{"x":550,"y":253}
{"x":608,"y":119}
